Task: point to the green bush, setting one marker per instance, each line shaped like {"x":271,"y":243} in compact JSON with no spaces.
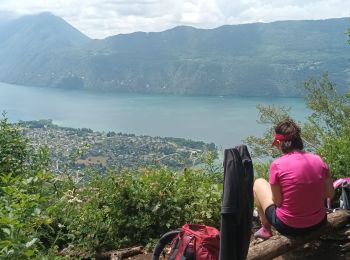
{"x":25,"y":195}
{"x":128,"y":208}
{"x":336,"y":151}
{"x":14,"y":150}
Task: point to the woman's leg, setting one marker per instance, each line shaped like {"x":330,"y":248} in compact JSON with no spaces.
{"x":263,"y":199}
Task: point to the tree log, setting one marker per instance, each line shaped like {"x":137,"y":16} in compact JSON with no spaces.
{"x":279,"y":244}
{"x":120,"y":254}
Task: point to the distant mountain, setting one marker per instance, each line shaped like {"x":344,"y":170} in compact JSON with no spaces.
{"x":36,"y":48}
{"x":251,"y":59}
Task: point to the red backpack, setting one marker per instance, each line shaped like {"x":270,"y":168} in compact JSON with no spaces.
{"x":196,"y":242}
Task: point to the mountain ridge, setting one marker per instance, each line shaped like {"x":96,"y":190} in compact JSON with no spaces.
{"x":247,"y":59}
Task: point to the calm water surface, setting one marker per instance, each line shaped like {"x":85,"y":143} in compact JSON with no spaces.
{"x":222,"y":120}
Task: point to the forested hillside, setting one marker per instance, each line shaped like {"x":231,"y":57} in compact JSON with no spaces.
{"x":252,"y":59}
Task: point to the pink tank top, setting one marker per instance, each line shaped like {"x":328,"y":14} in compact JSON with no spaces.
{"x":301,"y":177}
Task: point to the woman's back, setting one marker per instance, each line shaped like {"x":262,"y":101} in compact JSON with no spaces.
{"x":301,"y":177}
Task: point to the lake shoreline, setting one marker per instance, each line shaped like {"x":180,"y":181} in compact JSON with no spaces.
{"x":225,"y":121}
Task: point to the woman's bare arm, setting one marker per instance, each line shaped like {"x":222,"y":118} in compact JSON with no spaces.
{"x":276,"y":194}
{"x":329,"y":187}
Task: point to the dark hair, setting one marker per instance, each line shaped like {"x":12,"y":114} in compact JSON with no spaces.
{"x":289,"y":128}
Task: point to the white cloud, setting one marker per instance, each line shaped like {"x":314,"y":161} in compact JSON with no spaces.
{"x":102,"y":18}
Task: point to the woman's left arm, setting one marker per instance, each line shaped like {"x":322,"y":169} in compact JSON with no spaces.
{"x":329,"y":187}
{"x":276,"y":194}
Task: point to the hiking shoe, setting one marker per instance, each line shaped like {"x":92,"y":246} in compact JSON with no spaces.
{"x":263,"y":233}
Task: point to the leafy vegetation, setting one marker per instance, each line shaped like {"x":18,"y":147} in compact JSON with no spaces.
{"x":124,"y":209}
{"x":25,"y":195}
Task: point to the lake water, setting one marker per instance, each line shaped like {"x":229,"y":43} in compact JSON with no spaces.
{"x":222,"y":120}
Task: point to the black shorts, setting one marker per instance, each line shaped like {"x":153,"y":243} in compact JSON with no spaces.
{"x":284,"y":229}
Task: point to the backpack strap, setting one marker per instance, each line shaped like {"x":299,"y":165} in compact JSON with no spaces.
{"x":345,"y":196}
{"x":189,"y":250}
{"x":183,"y":247}
{"x":164,"y":240}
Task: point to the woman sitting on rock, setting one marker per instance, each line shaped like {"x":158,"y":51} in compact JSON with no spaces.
{"x":293,"y":201}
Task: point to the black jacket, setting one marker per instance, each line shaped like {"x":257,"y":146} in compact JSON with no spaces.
{"x":237,"y":204}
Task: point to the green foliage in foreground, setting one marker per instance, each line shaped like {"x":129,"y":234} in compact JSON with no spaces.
{"x":41,"y":214}
{"x":25,"y":195}
{"x":124,"y":209}
{"x":326,"y":131}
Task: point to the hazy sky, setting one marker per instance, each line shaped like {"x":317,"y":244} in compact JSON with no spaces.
{"x":102,"y":18}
